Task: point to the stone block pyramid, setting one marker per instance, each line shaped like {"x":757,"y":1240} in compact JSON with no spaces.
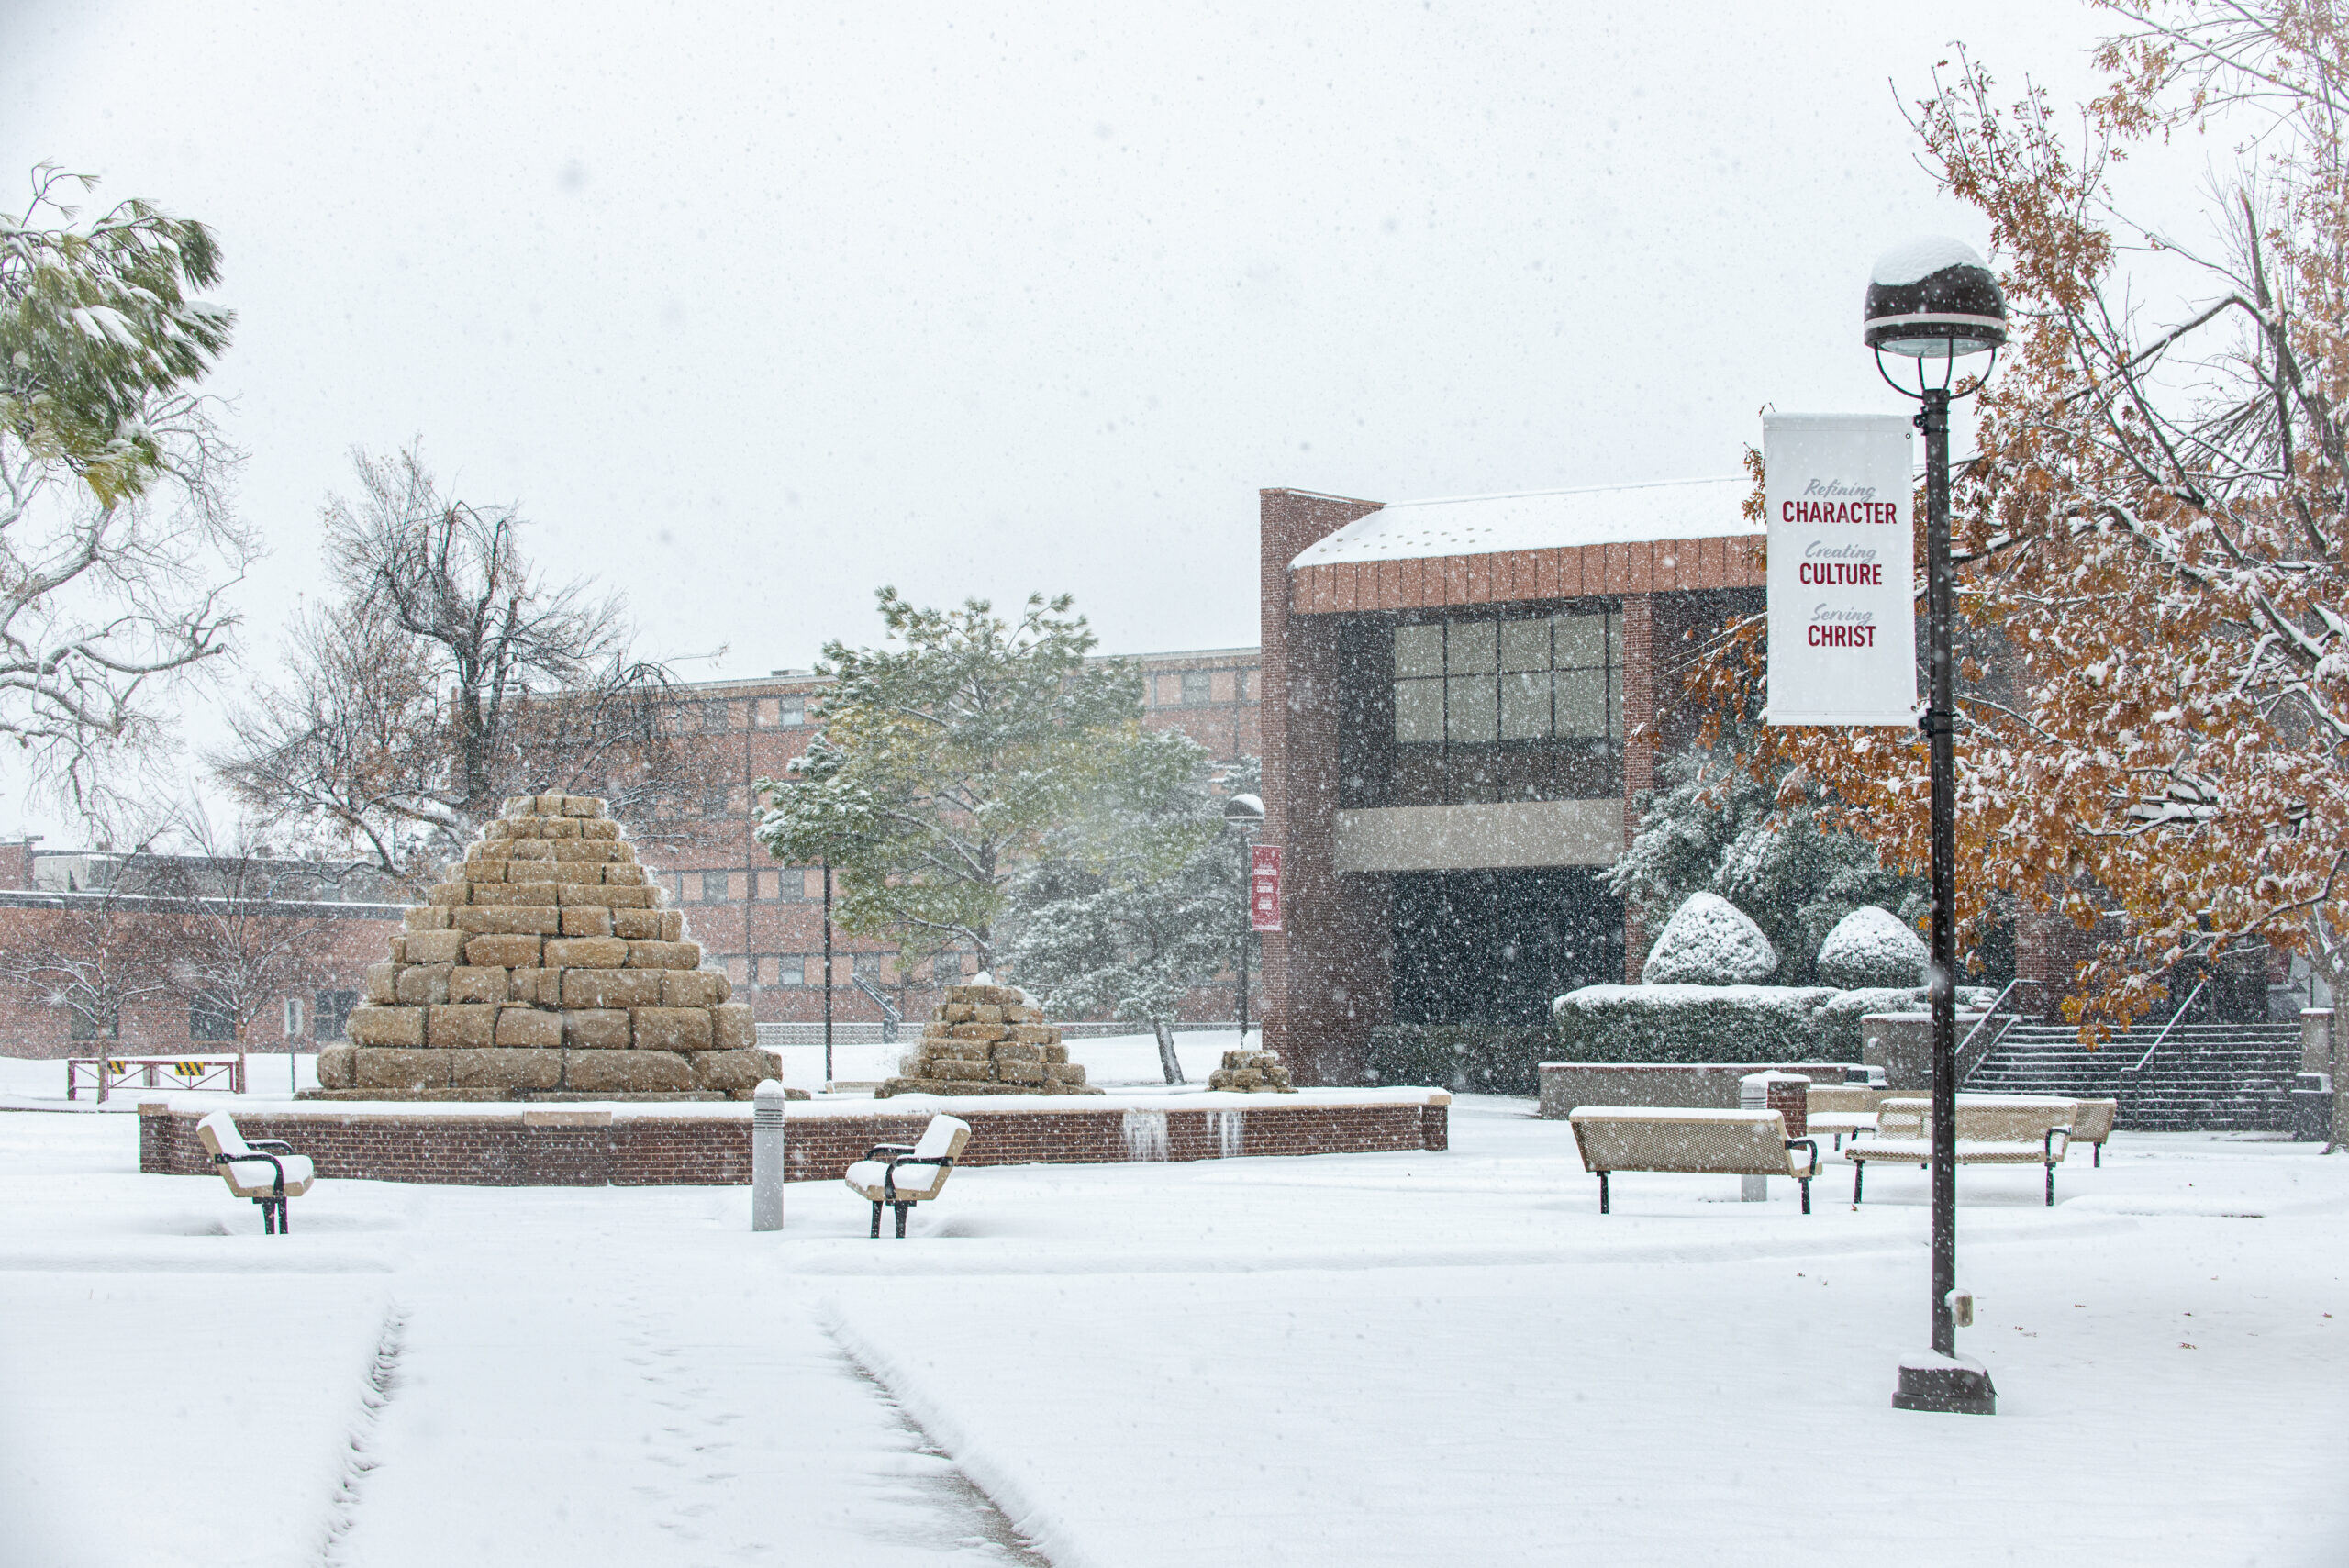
{"x":545,"y":969}
{"x":1252,"y":1073}
{"x":987,"y":1040}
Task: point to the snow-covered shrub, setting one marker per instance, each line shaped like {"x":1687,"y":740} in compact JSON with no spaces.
{"x":1872,"y":947}
{"x":1835,"y":1032}
{"x":1710,"y":941}
{"x":1692,"y":1023}
{"x":1483,"y":1059}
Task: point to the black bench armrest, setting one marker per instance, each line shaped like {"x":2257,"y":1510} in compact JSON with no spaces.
{"x":255,"y":1154}
{"x":880,"y":1149}
{"x":904,"y":1156}
{"x":277,"y":1143}
{"x":1809,"y":1144}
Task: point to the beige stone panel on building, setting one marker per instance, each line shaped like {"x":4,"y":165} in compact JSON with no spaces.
{"x":626,"y":1072}
{"x":1474,"y":838}
{"x":529,"y":1027}
{"x":385,"y":1026}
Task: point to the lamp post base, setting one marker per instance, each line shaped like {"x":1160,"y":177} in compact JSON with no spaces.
{"x":1955,"y":1384}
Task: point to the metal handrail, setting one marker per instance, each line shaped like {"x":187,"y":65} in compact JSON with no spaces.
{"x":2170,"y":1024}
{"x":1982,"y":1022}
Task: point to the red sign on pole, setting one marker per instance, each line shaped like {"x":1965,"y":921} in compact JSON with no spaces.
{"x":1264,"y":887}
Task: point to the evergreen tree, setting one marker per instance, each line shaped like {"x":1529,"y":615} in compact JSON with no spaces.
{"x":1137,"y":900}
{"x":941,"y":765}
{"x":1754,"y":837}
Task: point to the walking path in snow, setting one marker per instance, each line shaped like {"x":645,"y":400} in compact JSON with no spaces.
{"x":1392,"y":1358}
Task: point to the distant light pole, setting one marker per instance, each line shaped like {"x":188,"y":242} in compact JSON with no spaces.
{"x":827,"y":975}
{"x":1935,"y":299}
{"x":1246,"y":813}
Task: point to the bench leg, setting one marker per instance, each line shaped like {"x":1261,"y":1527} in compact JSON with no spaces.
{"x":2099,"y":1156}
{"x":1806,"y":1194}
{"x":1859,"y":1170}
{"x":1602,"y":1192}
{"x":901,"y":1219}
{"x":284,"y":1217}
{"x":876,"y":1219}
{"x":2051,"y":1185}
{"x":268,"y":1217}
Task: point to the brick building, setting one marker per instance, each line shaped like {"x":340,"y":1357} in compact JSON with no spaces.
{"x":764,"y":923}
{"x":326,"y":923}
{"x":1467,"y":698}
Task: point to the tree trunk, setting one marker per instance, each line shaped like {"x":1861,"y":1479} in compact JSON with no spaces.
{"x":1167,"y":1059}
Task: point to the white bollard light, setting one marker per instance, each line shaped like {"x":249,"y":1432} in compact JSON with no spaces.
{"x":766,"y":1156}
{"x":1753,"y":1094}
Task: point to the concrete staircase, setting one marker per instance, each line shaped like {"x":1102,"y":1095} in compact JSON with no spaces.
{"x":2205,"y":1078}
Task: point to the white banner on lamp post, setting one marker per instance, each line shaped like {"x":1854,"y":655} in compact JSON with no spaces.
{"x":1843,"y":564}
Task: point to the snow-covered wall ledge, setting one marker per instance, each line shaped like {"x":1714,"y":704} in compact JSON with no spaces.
{"x":709,"y":1144}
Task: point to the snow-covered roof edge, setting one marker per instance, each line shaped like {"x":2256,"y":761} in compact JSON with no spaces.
{"x":1539,"y":520}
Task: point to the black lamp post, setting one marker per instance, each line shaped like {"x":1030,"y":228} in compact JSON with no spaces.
{"x":1246,"y":813}
{"x":1933,"y":302}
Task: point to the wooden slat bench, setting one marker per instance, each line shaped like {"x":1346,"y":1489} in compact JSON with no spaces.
{"x":265,"y":1169}
{"x":898,"y":1175}
{"x":1700,"y":1142}
{"x":2016,"y":1129}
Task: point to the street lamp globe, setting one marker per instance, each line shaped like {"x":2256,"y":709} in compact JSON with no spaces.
{"x":1243,"y":811}
{"x":1933,"y":298}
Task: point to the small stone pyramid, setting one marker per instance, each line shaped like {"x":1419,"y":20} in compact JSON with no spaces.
{"x":1252,"y":1073}
{"x":545,"y":969}
{"x":987,"y":1040}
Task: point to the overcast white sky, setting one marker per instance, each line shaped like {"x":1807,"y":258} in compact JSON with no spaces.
{"x":754,"y":307}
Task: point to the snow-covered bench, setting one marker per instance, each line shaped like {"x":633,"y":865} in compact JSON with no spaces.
{"x":265,"y":1169}
{"x":1703,"y":1142}
{"x":2092,"y":1124}
{"x":2012,"y":1129}
{"x":1841,"y":1110}
{"x":896,"y":1176}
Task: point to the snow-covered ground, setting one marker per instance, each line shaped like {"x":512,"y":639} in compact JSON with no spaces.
{"x":1401,"y":1359}
{"x":1113,"y":1061}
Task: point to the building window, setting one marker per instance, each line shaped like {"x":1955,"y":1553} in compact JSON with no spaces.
{"x":209,"y":1019}
{"x":946,"y":969}
{"x":791,"y":969}
{"x":1487,"y":678}
{"x":92,"y":1024}
{"x":330,"y":1013}
{"x":1198,"y":688}
{"x":792,"y":710}
{"x":869,"y":964}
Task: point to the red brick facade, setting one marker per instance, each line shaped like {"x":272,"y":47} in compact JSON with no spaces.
{"x":579,"y":1146}
{"x":1328,"y":976}
{"x":357,"y":936}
